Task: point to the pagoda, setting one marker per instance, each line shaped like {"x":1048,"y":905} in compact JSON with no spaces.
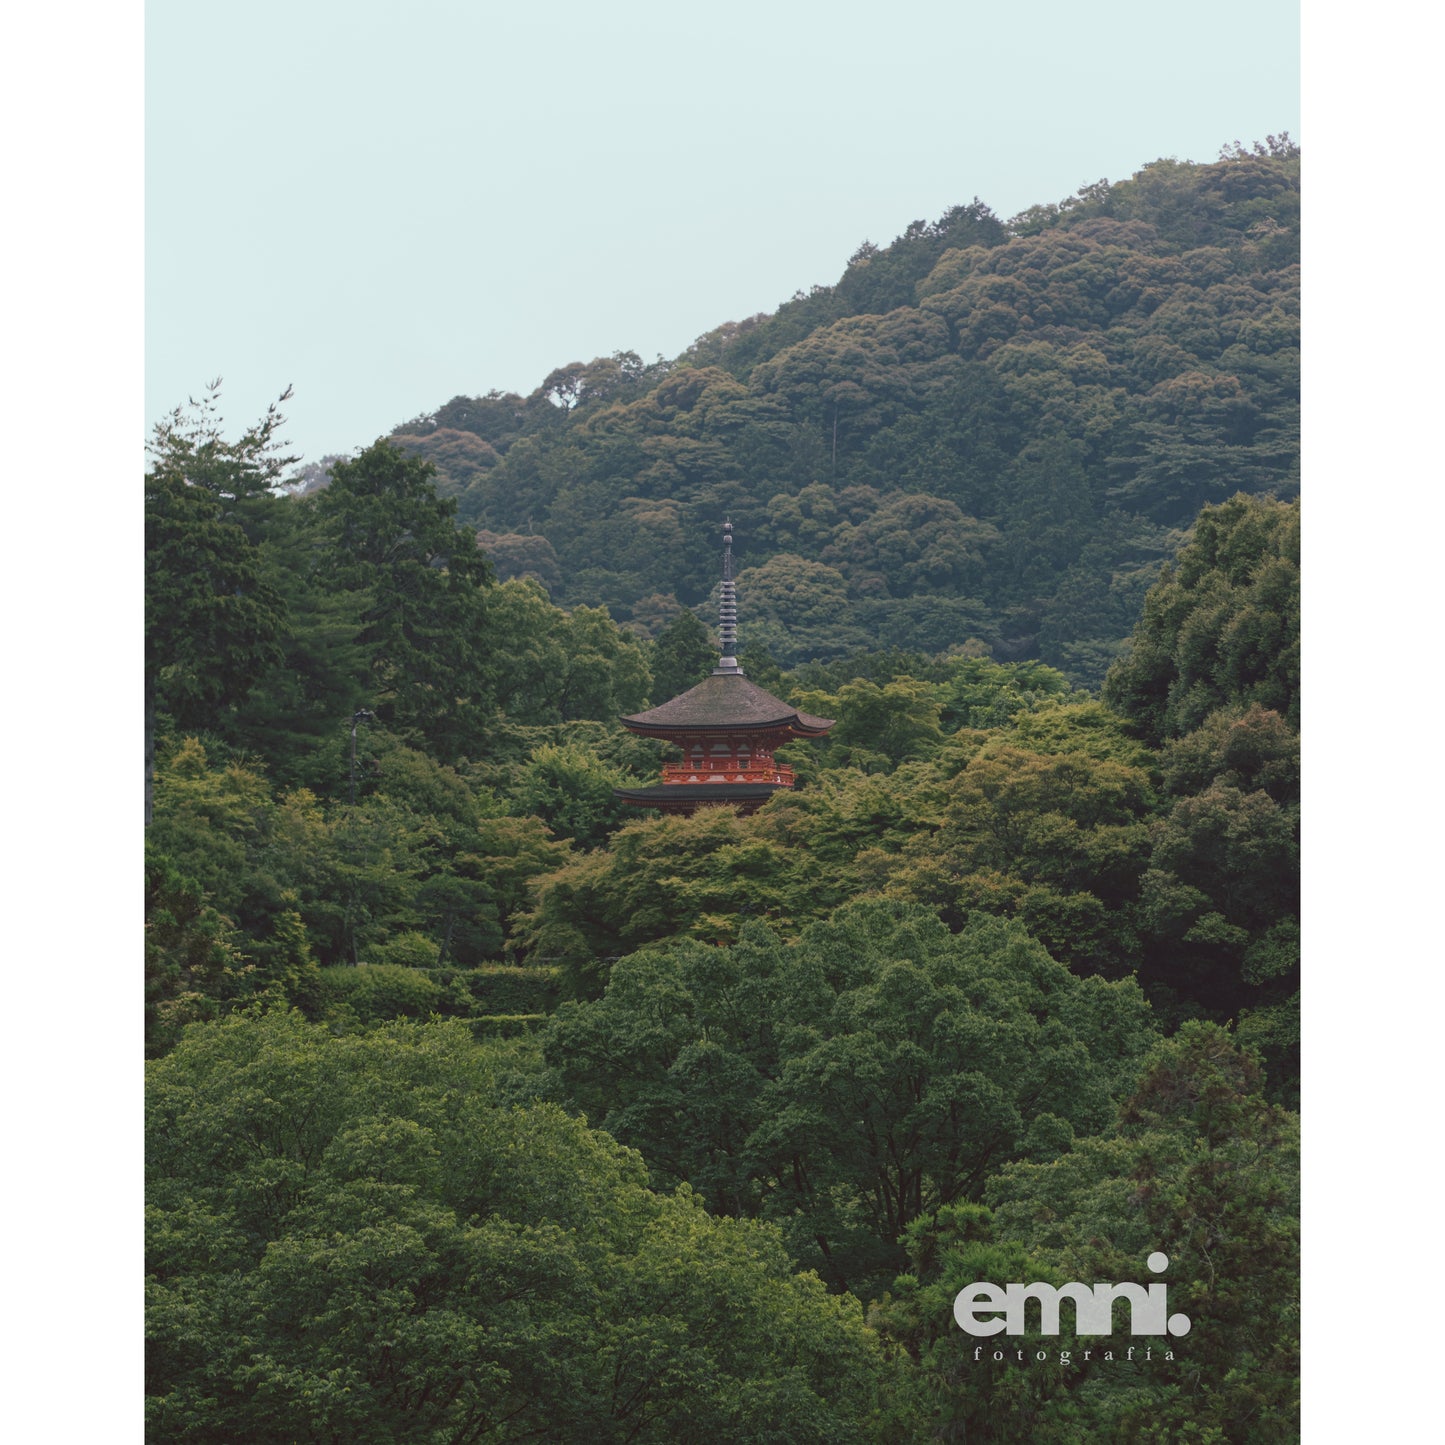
{"x":727,"y":728}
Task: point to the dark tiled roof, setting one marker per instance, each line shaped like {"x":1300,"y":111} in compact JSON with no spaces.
{"x":698,"y":792}
{"x":727,"y":700}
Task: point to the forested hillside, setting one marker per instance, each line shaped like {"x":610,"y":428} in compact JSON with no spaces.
{"x":982,"y":430}
{"x":483,"y":1108}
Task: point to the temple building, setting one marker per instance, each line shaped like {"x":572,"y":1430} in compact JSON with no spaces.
{"x":727,"y":728}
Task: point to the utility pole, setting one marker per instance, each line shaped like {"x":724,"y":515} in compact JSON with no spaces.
{"x":361,"y":715}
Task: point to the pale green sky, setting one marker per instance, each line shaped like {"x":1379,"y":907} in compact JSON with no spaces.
{"x":387,"y":205}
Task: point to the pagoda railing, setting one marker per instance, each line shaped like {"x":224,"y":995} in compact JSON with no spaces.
{"x":691,"y":773}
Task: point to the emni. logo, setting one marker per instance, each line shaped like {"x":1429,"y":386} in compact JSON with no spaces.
{"x":1093,"y":1306}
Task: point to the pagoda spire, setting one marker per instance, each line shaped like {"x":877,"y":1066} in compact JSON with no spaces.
{"x":727,"y":612}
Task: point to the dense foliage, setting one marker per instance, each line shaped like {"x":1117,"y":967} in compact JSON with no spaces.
{"x":1196,"y":1157}
{"x":875,"y":1070}
{"x":364,"y":1238}
{"x":482,"y":1107}
{"x":981,"y":430}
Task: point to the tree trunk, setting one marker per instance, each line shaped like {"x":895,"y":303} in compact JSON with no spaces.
{"x":150,"y":752}
{"x":447,"y":938}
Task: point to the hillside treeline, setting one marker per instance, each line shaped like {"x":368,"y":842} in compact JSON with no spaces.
{"x":982,"y":430}
{"x":481,"y":1108}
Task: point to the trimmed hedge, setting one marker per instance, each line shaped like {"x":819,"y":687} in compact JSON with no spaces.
{"x":498,"y":989}
{"x":377,"y":992}
{"x":505,"y":1026}
{"x":380,"y":991}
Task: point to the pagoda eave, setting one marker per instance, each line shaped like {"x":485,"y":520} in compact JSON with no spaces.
{"x":686,"y":797}
{"x":780,"y":731}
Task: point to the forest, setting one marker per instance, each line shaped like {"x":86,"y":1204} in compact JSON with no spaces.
{"x":483,"y":1107}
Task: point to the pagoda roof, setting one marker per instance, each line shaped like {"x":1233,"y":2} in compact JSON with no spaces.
{"x":726,"y":701}
{"x":665,"y":795}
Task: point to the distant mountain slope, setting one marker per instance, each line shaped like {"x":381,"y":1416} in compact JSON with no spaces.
{"x":984,"y":430}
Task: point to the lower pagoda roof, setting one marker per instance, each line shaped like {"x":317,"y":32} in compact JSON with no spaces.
{"x":671,"y":796}
{"x":726,"y":702}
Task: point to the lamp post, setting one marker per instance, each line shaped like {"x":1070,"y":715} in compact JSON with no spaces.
{"x":361,"y":715}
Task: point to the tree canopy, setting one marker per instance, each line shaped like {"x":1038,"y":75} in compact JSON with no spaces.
{"x":1014,"y":420}
{"x":846,"y":1084}
{"x":484,"y":1107}
{"x":363,"y":1237}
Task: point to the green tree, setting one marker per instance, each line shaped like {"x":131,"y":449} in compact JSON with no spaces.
{"x":458,"y":456}
{"x":697,"y":876}
{"x":879,"y":724}
{"x":516,"y":554}
{"x":1048,"y":822}
{"x":796,"y":608}
{"x":915,"y":544}
{"x":681,"y":656}
{"x":210,"y":819}
{"x":297,"y":711}
{"x":358,"y":1237}
{"x":1197,"y":1166}
{"x":980,"y":693}
{"x":425,"y":626}
{"x":1220,"y":907}
{"x":1219,"y":902}
{"x":213,"y":620}
{"x":1221,"y":628}
{"x":571,"y":789}
{"x":606,"y":672}
{"x":192,"y":956}
{"x":558,"y":666}
{"x":845,"y":1084}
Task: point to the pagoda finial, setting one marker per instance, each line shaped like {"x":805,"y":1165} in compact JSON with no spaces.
{"x":727,"y":612}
